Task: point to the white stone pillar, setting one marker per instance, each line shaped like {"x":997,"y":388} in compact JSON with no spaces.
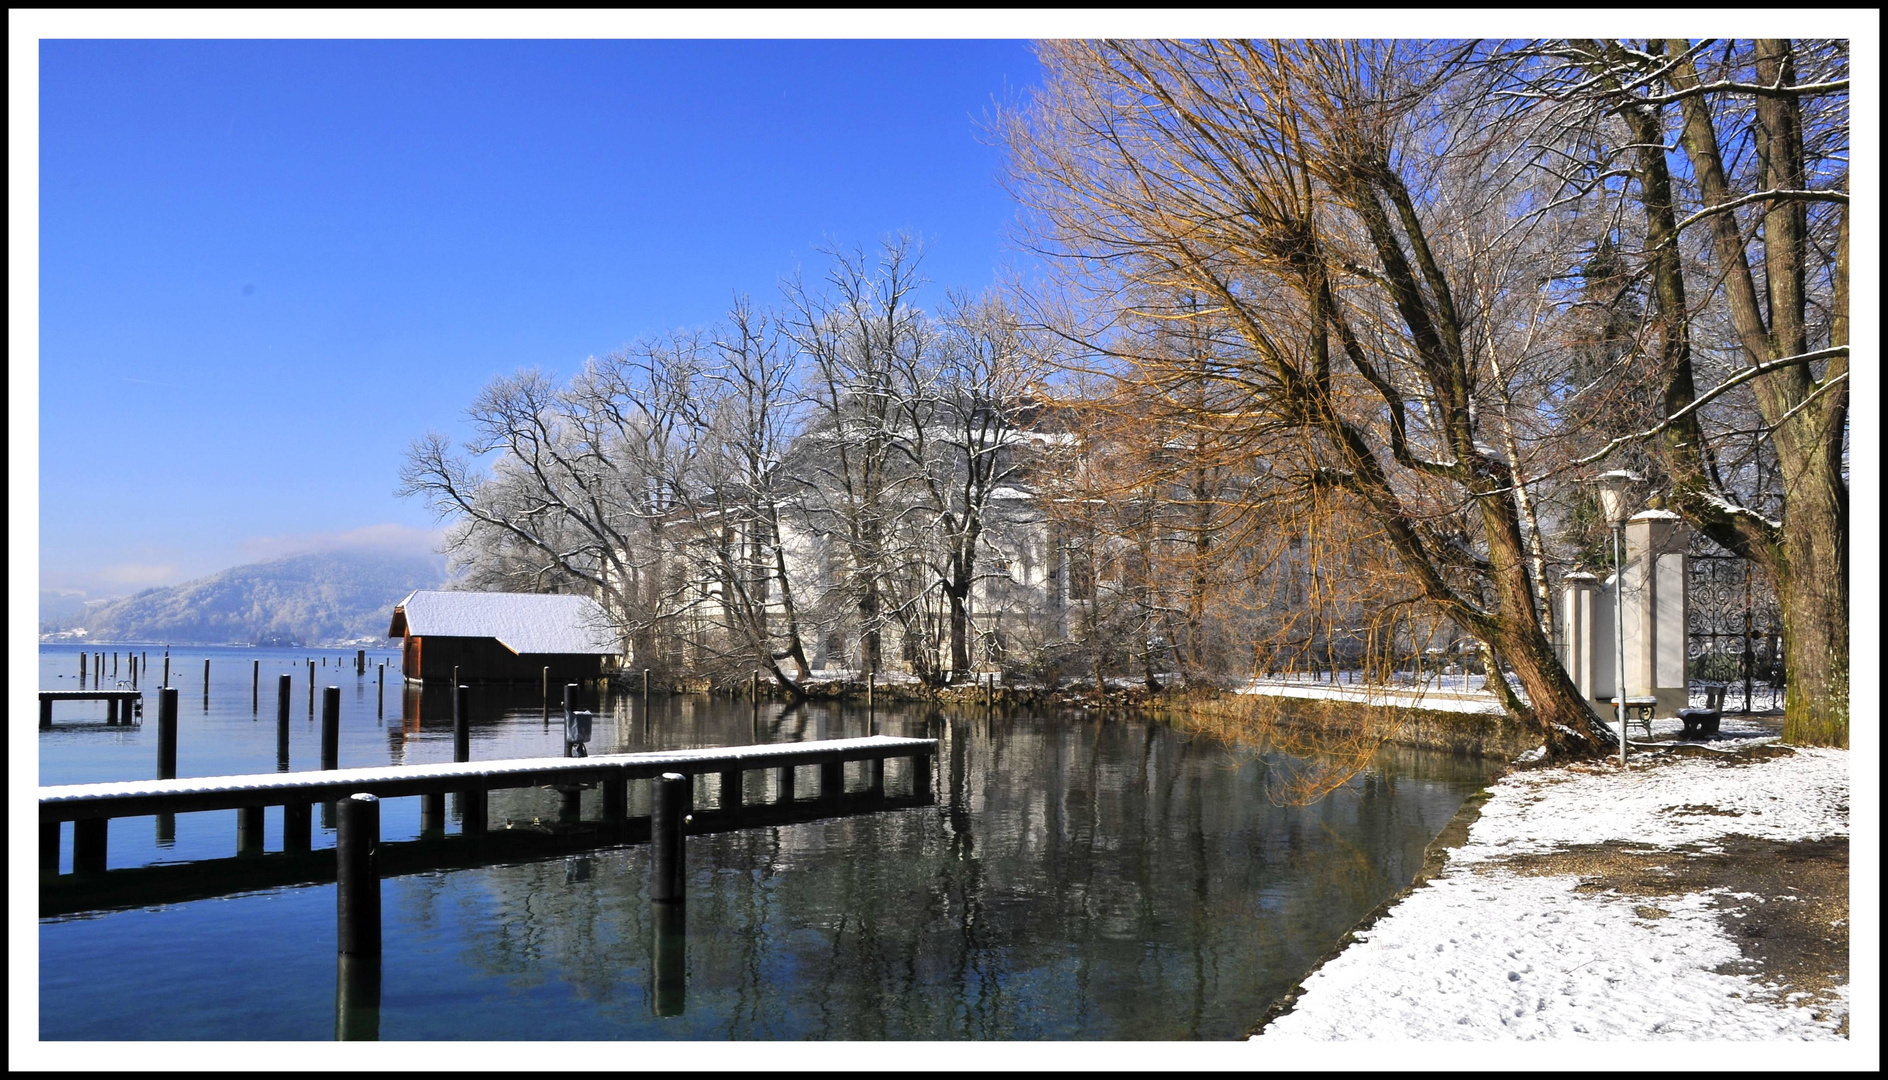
{"x":1654,"y":596}
{"x":1579,"y":657}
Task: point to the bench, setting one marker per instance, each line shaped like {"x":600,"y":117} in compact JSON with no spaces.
{"x":1638,"y":709}
{"x":1703,"y":723}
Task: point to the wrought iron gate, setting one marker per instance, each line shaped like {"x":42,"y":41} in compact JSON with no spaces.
{"x":1734,"y":632}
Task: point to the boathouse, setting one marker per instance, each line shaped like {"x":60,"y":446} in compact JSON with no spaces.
{"x":501,"y":637}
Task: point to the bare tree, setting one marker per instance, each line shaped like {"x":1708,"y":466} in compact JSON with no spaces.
{"x":1286,"y":185}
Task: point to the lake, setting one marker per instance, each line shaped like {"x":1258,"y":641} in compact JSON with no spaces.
{"x":1077,"y":878}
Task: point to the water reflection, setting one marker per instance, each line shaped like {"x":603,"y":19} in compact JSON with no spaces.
{"x":1075,"y":878}
{"x":1078,"y":879}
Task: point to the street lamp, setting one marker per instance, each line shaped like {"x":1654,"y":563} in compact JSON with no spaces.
{"x":1616,"y":489}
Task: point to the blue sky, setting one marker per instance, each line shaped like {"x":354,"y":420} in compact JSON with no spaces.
{"x":266,"y":266}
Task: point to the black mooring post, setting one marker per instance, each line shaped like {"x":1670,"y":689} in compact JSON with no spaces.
{"x":331,"y":727}
{"x":49,"y":847}
{"x":255,"y":687}
{"x":167,"y":733}
{"x":832,"y":780}
{"x":570,"y":700}
{"x":45,"y":713}
{"x":545,"y":693}
{"x":670,"y":969}
{"x":570,"y":805}
{"x":875,"y":777}
{"x":356,"y":998}
{"x":461,"y":723}
{"x":786,"y":784}
{"x":311,"y":689}
{"x":281,"y":723}
{"x":380,"y":709}
{"x":88,"y":845}
{"x":357,"y":876}
{"x":667,"y":880}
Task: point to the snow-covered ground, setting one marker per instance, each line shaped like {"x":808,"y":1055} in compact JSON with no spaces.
{"x":1489,"y":951}
{"x":1458,"y":694}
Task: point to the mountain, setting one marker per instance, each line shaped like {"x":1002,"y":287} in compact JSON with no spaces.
{"x":326,"y":598}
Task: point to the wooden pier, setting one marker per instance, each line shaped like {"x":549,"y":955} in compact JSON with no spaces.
{"x":91,"y":806}
{"x":119,"y":703}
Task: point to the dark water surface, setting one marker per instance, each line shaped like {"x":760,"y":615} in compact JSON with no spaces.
{"x":1077,"y":879}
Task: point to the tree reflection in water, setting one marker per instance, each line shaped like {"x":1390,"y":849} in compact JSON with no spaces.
{"x":1077,"y":878}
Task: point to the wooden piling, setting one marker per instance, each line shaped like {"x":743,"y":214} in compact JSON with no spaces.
{"x":871,"y":682}
{"x":249,"y":830}
{"x":832,"y":781}
{"x":114,"y":665}
{"x":167,"y":733}
{"x":255,"y":686}
{"x":134,"y":673}
{"x":875,"y":777}
{"x":645,"y":686}
{"x":667,"y":874}
{"x":356,"y":998}
{"x":472,"y":812}
{"x":281,"y":722}
{"x":111,"y":710}
{"x":461,"y":724}
{"x":331,"y":727}
{"x":615,"y":800}
{"x":921,"y":777}
{"x":731,"y":791}
{"x":81,"y":671}
{"x":380,"y":707}
{"x":786,"y":783}
{"x":311,"y":689}
{"x":360,"y":661}
{"x":357,"y":876}
{"x":570,"y":805}
{"x":166,"y":680}
{"x":45,"y":714}
{"x":298,"y":827}
{"x":545,"y":688}
{"x":989,"y":691}
{"x":433,"y":815}
{"x":206,"y":676}
{"x":455,"y":674}
{"x":570,"y":702}
{"x":669,"y":966}
{"x":88,"y":845}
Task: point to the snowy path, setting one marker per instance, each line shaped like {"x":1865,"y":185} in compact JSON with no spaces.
{"x":1499,"y":947}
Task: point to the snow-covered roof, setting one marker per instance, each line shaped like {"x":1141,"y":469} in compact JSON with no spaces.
{"x":521,"y":622}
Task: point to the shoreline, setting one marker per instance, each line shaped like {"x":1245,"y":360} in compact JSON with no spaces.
{"x":1695,"y":896}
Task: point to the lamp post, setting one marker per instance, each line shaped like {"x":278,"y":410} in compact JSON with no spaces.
{"x":1615,"y":489}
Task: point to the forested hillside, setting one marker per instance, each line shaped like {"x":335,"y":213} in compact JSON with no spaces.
{"x":304,"y":599}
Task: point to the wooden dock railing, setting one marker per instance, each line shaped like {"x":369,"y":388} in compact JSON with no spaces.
{"x":91,"y":806}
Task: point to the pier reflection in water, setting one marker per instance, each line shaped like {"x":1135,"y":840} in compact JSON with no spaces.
{"x":1076,"y":878}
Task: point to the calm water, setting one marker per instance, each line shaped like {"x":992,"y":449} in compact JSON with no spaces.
{"x":1077,"y":879}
